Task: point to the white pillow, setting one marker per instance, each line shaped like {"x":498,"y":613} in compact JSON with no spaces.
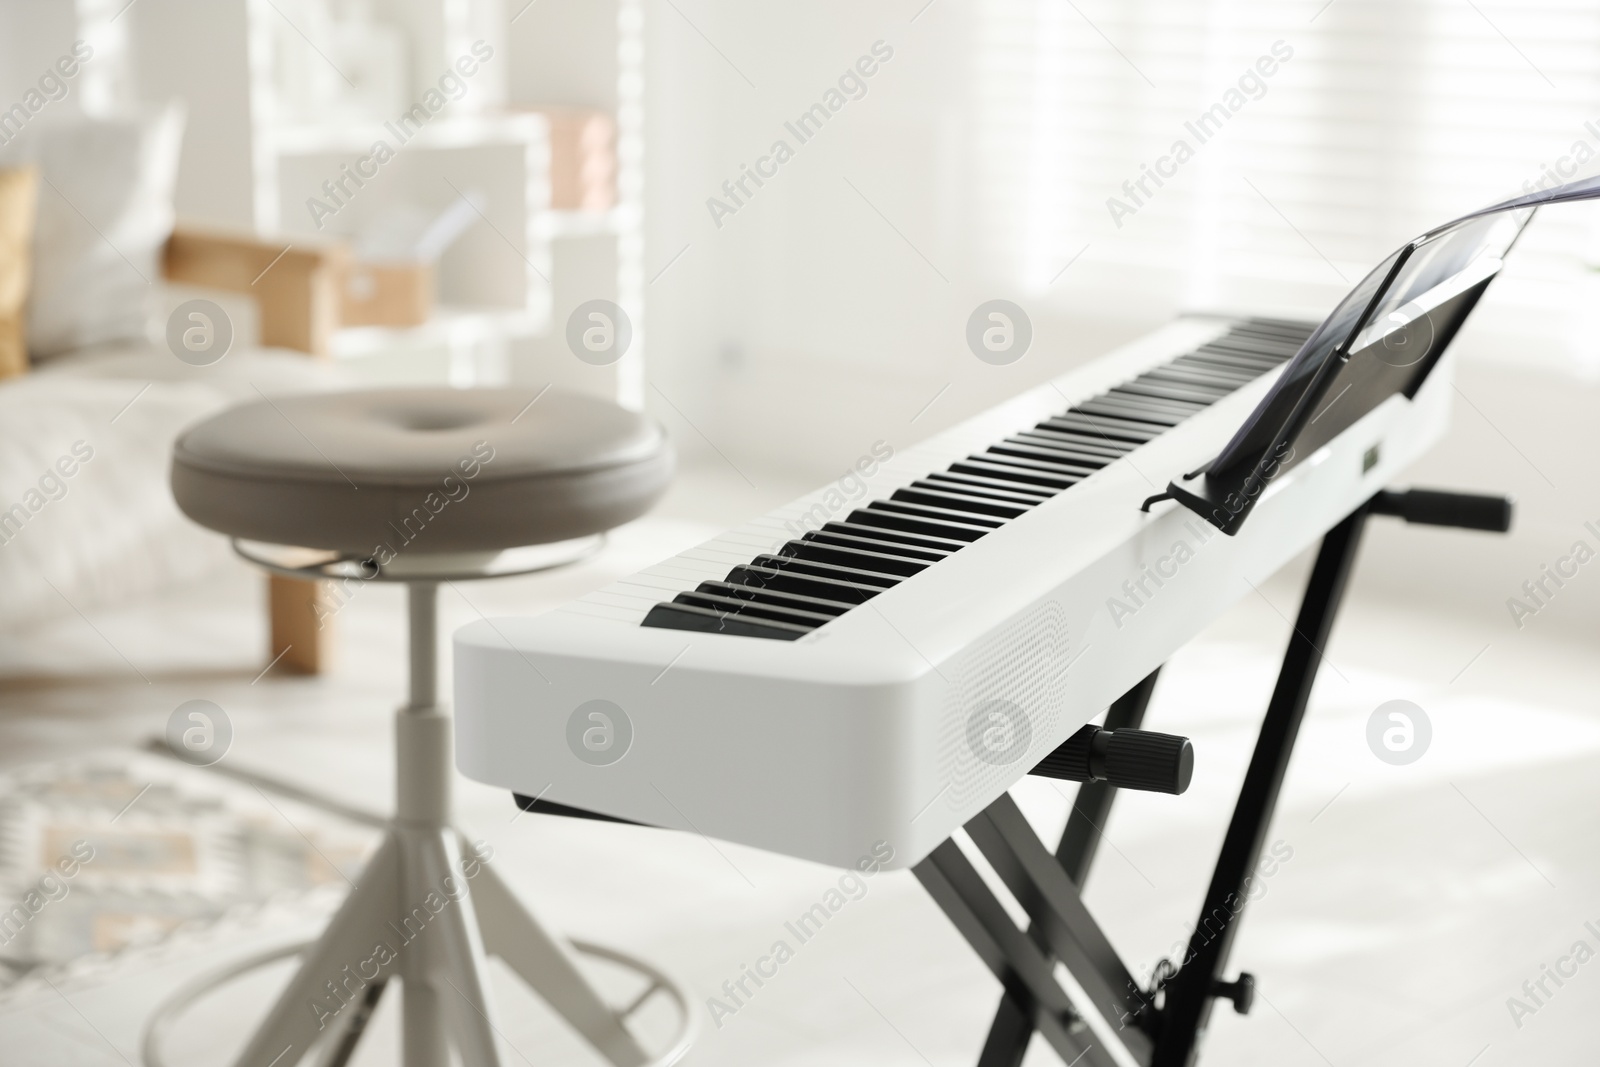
{"x":105,"y":213}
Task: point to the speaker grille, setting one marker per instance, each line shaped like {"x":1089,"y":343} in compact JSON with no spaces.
{"x":1005,"y":703}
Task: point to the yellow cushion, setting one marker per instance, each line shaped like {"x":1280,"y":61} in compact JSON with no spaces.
{"x":19,"y":188}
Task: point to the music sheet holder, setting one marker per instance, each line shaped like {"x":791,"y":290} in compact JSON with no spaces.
{"x":1381,"y":340}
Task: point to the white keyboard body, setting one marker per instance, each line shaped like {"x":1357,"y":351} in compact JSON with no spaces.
{"x":856,"y":734}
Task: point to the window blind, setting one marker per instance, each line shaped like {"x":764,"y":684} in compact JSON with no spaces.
{"x":1319,"y":137}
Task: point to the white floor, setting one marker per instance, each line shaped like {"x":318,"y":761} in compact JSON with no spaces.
{"x":1417,"y":900}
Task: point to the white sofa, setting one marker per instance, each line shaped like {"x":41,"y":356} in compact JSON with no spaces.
{"x":86,"y":518}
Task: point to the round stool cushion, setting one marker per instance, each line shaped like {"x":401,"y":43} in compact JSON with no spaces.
{"x":420,"y":470}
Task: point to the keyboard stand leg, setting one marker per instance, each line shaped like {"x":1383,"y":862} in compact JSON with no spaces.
{"x":1048,"y":886}
{"x":1020,"y":965}
{"x":1012,"y":1028}
{"x":1189,"y":994}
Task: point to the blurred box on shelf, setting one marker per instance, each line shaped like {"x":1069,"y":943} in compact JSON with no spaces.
{"x":583,"y":158}
{"x":386,"y":294}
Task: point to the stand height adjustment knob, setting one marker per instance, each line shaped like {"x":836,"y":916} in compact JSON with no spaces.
{"x":1242,"y":991}
{"x":1128,"y":759}
{"x":1434,"y":507}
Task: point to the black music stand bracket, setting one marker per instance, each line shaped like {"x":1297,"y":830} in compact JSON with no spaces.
{"x":1158,"y":1026}
{"x":1382,"y":340}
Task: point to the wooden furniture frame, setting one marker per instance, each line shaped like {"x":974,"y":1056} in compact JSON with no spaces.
{"x":296,"y":288}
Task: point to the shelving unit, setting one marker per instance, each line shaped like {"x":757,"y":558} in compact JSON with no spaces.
{"x":507,"y":285}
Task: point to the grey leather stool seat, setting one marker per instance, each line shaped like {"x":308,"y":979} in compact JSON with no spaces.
{"x":457,"y":470}
{"x":443,"y":483}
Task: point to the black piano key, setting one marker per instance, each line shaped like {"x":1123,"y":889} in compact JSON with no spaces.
{"x":1238,"y":371}
{"x":1245,"y":349}
{"x":1252,"y":367}
{"x":1270,"y":354}
{"x":1122,"y":395}
{"x":1194,"y":376}
{"x":1263,"y":322}
{"x":959,"y":501}
{"x":1125,"y":410}
{"x":899,"y":537}
{"x":989,"y":468}
{"x":672,"y":616}
{"x":1090,"y":449}
{"x":1213,"y":373}
{"x":1126,"y":426}
{"x":1154,"y":394}
{"x":1009,"y":452}
{"x":1258,"y":343}
{"x":775,"y":597}
{"x":1270,"y":328}
{"x":1166,"y":390}
{"x":1292,"y":340}
{"x":1222,"y":372}
{"x":874,"y":516}
{"x":872,"y":579}
{"x":1143,"y":407}
{"x":1011,"y":458}
{"x":1188,"y":388}
{"x":1198,"y":376}
{"x":754,"y":609}
{"x":971,"y":485}
{"x":949,"y":514}
{"x":1278,"y":349}
{"x":875,"y":544}
{"x":1118,"y":419}
{"x":859,"y":559}
{"x":1091,"y":441}
{"x":1110,"y":429}
{"x":801,"y":584}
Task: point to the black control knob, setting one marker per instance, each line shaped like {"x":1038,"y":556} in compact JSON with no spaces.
{"x":1142,"y":759}
{"x":1128,"y":759}
{"x":1433,"y":507}
{"x":1242,"y":991}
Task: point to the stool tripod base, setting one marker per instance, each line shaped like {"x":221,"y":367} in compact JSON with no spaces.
{"x":428,"y":911}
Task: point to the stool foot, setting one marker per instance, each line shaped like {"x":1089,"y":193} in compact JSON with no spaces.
{"x":424,"y":1038}
{"x":427,"y":1006}
{"x":328,"y":982}
{"x":338,"y":1049}
{"x":513,"y":934}
{"x":454,"y":959}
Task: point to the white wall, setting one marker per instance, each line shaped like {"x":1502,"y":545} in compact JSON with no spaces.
{"x":832,"y":307}
{"x":178,"y":48}
{"x":32,"y":34}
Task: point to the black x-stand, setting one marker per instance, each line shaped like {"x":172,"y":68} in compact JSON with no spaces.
{"x":1158,"y":1026}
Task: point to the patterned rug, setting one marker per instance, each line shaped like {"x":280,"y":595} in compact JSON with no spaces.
{"x":122,"y":852}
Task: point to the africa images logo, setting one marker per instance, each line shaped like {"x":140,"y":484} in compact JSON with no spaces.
{"x":999,"y":732}
{"x":599,"y":732}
